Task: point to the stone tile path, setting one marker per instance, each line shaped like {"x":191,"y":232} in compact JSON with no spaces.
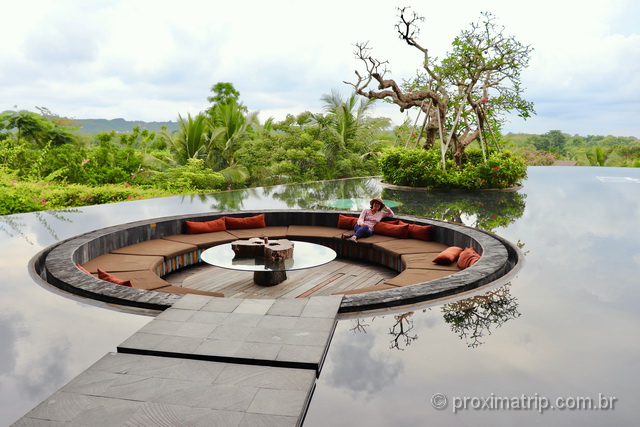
{"x":204,"y":362}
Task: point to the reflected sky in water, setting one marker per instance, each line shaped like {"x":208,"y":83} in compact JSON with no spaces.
{"x":563,"y":327}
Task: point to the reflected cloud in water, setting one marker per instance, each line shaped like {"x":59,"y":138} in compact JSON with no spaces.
{"x":577,"y":293}
{"x":359,"y":367}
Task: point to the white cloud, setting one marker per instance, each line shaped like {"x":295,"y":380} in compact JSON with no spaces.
{"x":153,"y":60}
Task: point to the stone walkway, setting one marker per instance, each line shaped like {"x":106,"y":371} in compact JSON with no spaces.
{"x":204,"y":362}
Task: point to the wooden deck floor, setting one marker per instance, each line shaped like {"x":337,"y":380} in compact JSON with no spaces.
{"x":336,"y":276}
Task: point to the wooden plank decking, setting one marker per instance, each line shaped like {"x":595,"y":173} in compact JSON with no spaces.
{"x":336,"y":276}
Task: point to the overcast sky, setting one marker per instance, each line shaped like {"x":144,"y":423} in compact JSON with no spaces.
{"x":154,"y":59}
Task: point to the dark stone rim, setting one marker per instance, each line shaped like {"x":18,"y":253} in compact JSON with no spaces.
{"x":56,"y":264}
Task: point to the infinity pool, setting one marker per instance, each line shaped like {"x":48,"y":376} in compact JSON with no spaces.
{"x":558,"y":334}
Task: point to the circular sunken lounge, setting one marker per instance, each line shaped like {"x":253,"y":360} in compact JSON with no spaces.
{"x":145,"y":253}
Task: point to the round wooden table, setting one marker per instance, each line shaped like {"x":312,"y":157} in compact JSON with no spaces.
{"x":265,"y":271}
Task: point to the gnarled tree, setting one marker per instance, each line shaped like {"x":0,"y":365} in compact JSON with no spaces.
{"x":465,"y":96}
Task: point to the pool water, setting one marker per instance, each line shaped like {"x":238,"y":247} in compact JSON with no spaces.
{"x":559,"y":333}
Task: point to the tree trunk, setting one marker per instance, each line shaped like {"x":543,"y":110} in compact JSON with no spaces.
{"x":461,"y":144}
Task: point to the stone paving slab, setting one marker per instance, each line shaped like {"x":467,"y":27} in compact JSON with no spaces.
{"x":204,"y":362}
{"x":127,"y":389}
{"x":283,"y":332}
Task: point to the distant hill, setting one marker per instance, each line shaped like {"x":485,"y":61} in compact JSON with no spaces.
{"x":95,"y":126}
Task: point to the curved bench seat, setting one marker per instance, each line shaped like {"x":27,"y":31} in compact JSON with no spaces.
{"x":145,"y":251}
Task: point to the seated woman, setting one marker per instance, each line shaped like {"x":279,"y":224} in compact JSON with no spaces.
{"x":368,"y":219}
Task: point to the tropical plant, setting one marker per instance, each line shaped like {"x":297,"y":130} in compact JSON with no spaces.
{"x":191,"y":141}
{"x":351,"y":118}
{"x":464,"y":96}
{"x":229,"y":128}
{"x":224,"y":93}
{"x":32,"y":127}
{"x":599,"y":156}
{"x":422,"y":168}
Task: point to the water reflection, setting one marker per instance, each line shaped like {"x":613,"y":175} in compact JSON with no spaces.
{"x":400,"y":331}
{"x":577,"y":292}
{"x":313,"y":195}
{"x":13,"y":225}
{"x":579,"y":298}
{"x":363,"y":370}
{"x":487,"y":211}
{"x":472,"y":318}
{"x":232,"y":200}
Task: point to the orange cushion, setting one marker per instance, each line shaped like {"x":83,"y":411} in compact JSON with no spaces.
{"x":467,"y":258}
{"x":393,"y":230}
{"x":103,"y":275}
{"x":81,"y":268}
{"x":448,"y":256}
{"x":420,"y":232}
{"x":346,"y":221}
{"x":206,"y":227}
{"x":247,"y":222}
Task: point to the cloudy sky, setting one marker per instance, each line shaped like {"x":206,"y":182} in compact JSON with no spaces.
{"x":154,"y":59}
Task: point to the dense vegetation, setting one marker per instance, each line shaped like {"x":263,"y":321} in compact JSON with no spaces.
{"x":546,"y":149}
{"x":46,"y":164}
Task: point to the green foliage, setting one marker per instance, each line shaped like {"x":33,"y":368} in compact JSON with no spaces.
{"x":553,"y":141}
{"x":423,"y":168}
{"x":224,"y":93}
{"x":502,"y":170}
{"x":18,"y":196}
{"x":189,"y":178}
{"x":308,"y":148}
{"x":533,"y":157}
{"x":599,"y":156}
{"x":229,"y":129}
{"x":486,"y":210}
{"x":35,"y":129}
{"x":191,"y":141}
{"x":467,"y":94}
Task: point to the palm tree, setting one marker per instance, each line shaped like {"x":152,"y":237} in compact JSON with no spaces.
{"x":351,"y":118}
{"x":192,"y":139}
{"x":599,"y":156}
{"x":229,"y":128}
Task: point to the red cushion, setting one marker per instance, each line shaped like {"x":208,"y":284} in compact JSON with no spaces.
{"x":448,"y":256}
{"x":206,"y":227}
{"x":393,"y":230}
{"x":103,"y":275}
{"x":420,"y":232}
{"x":81,"y":268}
{"x":346,"y":221}
{"x":247,"y":222}
{"x":467,"y":258}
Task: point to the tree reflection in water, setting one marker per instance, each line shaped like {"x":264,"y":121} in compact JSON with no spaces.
{"x":360,"y":326}
{"x":401,"y":337}
{"x":472,"y":318}
{"x":14,"y":226}
{"x":314,"y":195}
{"x":486,"y":210}
{"x":230,"y":200}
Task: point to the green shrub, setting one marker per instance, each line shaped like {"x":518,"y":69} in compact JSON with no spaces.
{"x":23,"y":196}
{"x":423,"y":168}
{"x":501,"y":170}
{"x":190,"y":178}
